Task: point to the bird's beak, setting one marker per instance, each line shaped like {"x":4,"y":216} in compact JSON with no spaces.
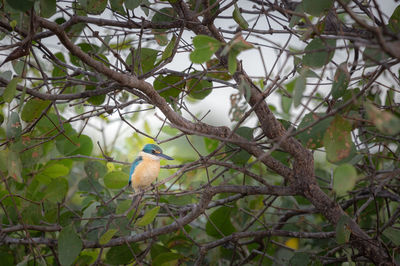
{"x":162,"y":155}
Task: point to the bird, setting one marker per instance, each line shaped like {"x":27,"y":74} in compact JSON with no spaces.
{"x":146,"y":167}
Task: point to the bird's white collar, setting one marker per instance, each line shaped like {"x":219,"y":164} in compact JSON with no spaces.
{"x":150,"y":156}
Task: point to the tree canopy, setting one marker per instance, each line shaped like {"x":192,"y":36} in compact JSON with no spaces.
{"x":283,"y":118}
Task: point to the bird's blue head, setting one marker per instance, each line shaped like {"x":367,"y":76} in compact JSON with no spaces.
{"x":156,"y":151}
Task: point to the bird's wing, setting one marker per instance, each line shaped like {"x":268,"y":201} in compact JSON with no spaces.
{"x":134,"y":164}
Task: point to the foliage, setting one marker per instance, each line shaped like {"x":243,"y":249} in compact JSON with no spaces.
{"x":305,"y":171}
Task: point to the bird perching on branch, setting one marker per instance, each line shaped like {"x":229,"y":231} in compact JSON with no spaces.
{"x":146,"y":167}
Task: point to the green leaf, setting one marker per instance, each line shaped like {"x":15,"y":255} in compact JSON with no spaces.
{"x":393,"y":234}
{"x":66,"y":146}
{"x":116,"y":179}
{"x":13,"y":126}
{"x":286,"y":103}
{"x":82,"y":3}
{"x":7,"y":257}
{"x":56,"y":190}
{"x":89,"y":184}
{"x":199,"y":89}
{"x":163,"y":15}
{"x":85,"y":145}
{"x":121,"y":255}
{"x":117,"y":5}
{"x":237,"y":16}
{"x":233,"y":49}
{"x":195,"y":6}
{"x":123,"y":206}
{"x":21,"y":5}
{"x":132,"y":4}
{"x":69,"y":245}
{"x":144,"y":7}
{"x":385,"y":121}
{"x":50,"y":210}
{"x":47,"y":124}
{"x":161,"y":37}
{"x":220,"y":71}
{"x":95,"y":85}
{"x":121,"y":45}
{"x":169,"y":49}
{"x":31,"y":214}
{"x":294,"y":20}
{"x":394,"y":20}
{"x":232,"y":61}
{"x":56,"y":170}
{"x":299,"y":88}
{"x":170,"y":86}
{"x":210,"y":144}
{"x":87,"y":48}
{"x":52,"y":171}
{"x":283,"y":157}
{"x":242,"y":156}
{"x":239,"y":44}
{"x":95,"y":169}
{"x":341,"y":81}
{"x":96,"y":7}
{"x":74,"y":145}
{"x":204,"y":48}
{"x":3,"y":160}
{"x":220,"y":218}
{"x":166,"y":14}
{"x":59,"y":71}
{"x":337,"y":140}
{"x":167,"y":258}
{"x":245,"y":89}
{"x":319,"y":52}
{"x":181,"y":200}
{"x":97,"y":99}
{"x":343,"y":230}
{"x":6,"y":75}
{"x":33,"y":109}
{"x":86,"y":259}
{"x":10,"y":90}
{"x":317,"y":7}
{"x":157,"y":249}
{"x":18,"y":66}
{"x":374,"y":56}
{"x":107,"y":236}
{"x":47,"y":8}
{"x":90,"y":211}
{"x":300,"y":258}
{"x":148,"y":217}
{"x":144,"y":61}
{"x":344,"y":179}
{"x":14,"y":166}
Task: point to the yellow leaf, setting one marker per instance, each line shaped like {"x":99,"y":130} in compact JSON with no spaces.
{"x":110,"y":167}
{"x":292,"y":243}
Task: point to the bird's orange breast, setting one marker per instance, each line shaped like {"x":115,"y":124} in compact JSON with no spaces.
{"x":145,"y":173}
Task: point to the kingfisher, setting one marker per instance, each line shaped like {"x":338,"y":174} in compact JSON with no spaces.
{"x":146,"y":167}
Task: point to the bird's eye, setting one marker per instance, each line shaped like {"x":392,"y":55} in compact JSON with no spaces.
{"x":153,"y":152}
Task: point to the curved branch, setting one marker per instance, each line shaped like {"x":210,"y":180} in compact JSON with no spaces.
{"x":186,"y":126}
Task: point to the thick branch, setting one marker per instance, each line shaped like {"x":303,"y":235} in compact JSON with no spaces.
{"x":132,"y":81}
{"x":303,"y":166}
